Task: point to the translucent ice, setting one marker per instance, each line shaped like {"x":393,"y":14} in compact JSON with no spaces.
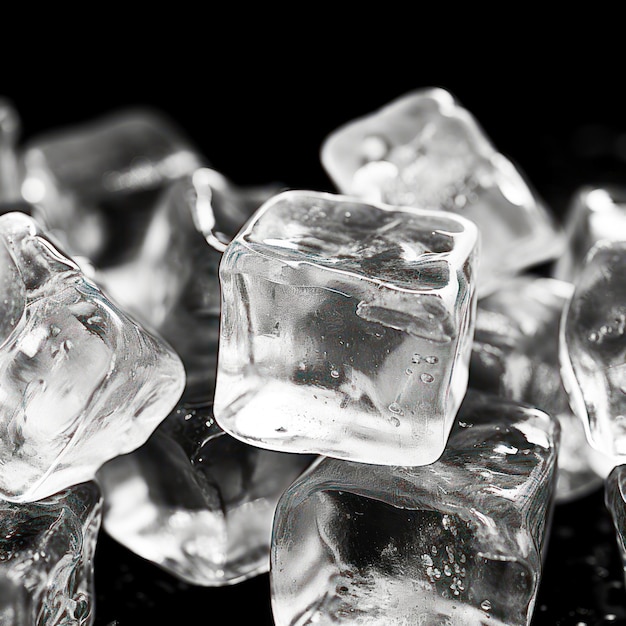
{"x":346,"y":328}
{"x":196,"y":501}
{"x":95,"y":182}
{"x":79,"y":381}
{"x":425,"y":150}
{"x":10,"y":127}
{"x":594,"y":214}
{"x":170,"y":282}
{"x":46,"y":558}
{"x":516,"y":355}
{"x":458,"y":542}
{"x":593,"y":347}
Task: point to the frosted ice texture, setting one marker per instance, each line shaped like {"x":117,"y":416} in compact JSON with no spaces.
{"x":425,"y":150}
{"x":346,"y":328}
{"x":79,"y":381}
{"x":594,"y":214}
{"x":458,"y":542}
{"x":196,"y":501}
{"x":96,"y":182}
{"x":169,"y":280}
{"x":10,"y":128}
{"x":593,"y":347}
{"x":516,"y":355}
{"x":46,"y":558}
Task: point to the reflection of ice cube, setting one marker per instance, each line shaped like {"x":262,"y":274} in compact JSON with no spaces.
{"x":460,"y":541}
{"x":427,"y":151}
{"x":594,"y":214}
{"x":170,"y":280}
{"x":346,"y":328}
{"x":196,"y":501}
{"x":46,"y":558}
{"x":593,"y":347}
{"x":79,"y":381}
{"x":516,"y":355}
{"x":96,"y":182}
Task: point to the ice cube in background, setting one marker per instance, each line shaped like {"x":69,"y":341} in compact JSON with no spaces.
{"x":170,"y":279}
{"x":593,"y":347}
{"x":460,"y":541}
{"x":594,"y":213}
{"x":516,"y":355}
{"x":346,"y":328}
{"x":196,"y":501}
{"x":80,"y":382}
{"x":97,"y":181}
{"x":10,"y":128}
{"x":426,"y":150}
{"x":46,"y":558}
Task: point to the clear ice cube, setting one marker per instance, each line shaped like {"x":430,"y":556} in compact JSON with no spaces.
{"x":593,"y":347}
{"x":170,"y":280}
{"x":458,"y":542}
{"x":516,"y":355}
{"x":593,"y":214}
{"x":425,"y":150}
{"x":196,"y":501}
{"x":95,"y":182}
{"x":46,"y":558}
{"x":10,"y":128}
{"x":346,"y":328}
{"x":80,"y":382}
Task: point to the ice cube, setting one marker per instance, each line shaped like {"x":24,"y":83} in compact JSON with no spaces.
{"x":170,"y":280}
{"x":346,"y":328}
{"x":594,"y":214}
{"x":516,"y":355}
{"x":425,"y":150}
{"x":615,"y":501}
{"x":46,"y":558}
{"x":95,"y":182}
{"x":196,"y":501}
{"x":10,"y":128}
{"x":460,"y":541}
{"x":593,"y":347}
{"x":80,"y":382}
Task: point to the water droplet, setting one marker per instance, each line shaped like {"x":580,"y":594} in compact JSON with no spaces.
{"x":416,"y":358}
{"x":426,"y":377}
{"x":408,"y":371}
{"x":593,"y":337}
{"x":446,"y":570}
{"x":485,"y":605}
{"x":394,"y":407}
{"x":431,"y":360}
{"x":334,"y":373}
{"x":347,"y":215}
{"x":427,"y":560}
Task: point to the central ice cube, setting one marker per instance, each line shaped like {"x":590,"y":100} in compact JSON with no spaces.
{"x":346,"y":328}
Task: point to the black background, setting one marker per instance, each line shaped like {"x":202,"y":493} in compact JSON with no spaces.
{"x":258,"y":97}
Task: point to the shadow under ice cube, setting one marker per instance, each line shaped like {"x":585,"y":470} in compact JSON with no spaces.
{"x":425,"y":150}
{"x":346,"y":328}
{"x":46,"y":558}
{"x":458,"y":542}
{"x":80,"y":382}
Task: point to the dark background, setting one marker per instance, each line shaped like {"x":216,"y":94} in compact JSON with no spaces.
{"x":258,"y":102}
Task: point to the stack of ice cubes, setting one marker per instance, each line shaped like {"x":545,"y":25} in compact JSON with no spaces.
{"x":377,"y":394}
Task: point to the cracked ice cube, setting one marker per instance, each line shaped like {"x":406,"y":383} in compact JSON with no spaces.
{"x":170,"y":279}
{"x":593,"y":347}
{"x":516,"y":355}
{"x":346,"y":328}
{"x":46,"y":558}
{"x":79,"y":381}
{"x":196,"y":501}
{"x":95,"y":182}
{"x":425,"y":150}
{"x":460,"y":541}
{"x":594,"y":214}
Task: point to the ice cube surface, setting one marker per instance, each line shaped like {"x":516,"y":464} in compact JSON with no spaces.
{"x":516,"y":355}
{"x":460,"y":541}
{"x":595,"y":213}
{"x":196,"y":501}
{"x":346,"y":328}
{"x":80,"y":382}
{"x":426,"y":150}
{"x":593,"y":347}
{"x":46,"y":558}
